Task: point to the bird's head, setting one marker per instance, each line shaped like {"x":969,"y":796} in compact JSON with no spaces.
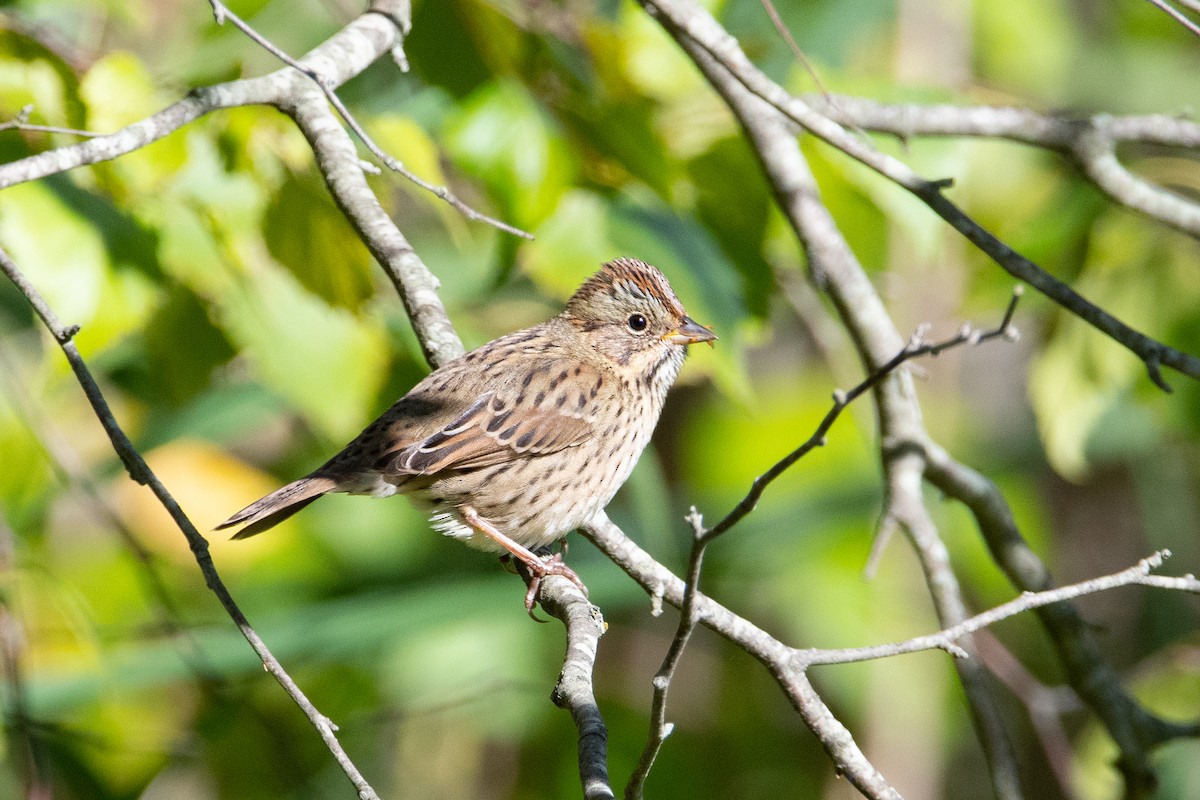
{"x":628,"y":312}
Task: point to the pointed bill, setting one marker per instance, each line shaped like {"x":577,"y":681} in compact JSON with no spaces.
{"x":690,"y":332}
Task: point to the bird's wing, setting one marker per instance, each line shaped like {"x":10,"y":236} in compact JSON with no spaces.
{"x":540,"y":415}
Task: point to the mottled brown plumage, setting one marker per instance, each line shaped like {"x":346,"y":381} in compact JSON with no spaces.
{"x":533,"y":432}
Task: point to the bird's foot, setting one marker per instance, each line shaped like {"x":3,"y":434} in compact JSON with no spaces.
{"x":537,"y":567}
{"x":552,"y":564}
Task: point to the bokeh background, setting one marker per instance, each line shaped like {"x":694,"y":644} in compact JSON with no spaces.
{"x":242,"y":335}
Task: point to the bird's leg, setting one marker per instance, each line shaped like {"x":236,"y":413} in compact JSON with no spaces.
{"x":537,"y":566}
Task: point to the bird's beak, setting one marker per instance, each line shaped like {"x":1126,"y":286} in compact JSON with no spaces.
{"x":690,"y":332}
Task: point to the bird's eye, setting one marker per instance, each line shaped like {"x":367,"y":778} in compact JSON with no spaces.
{"x":637,"y":323}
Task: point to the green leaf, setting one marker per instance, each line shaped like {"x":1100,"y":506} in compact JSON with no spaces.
{"x":570,"y":245}
{"x":309,"y":235}
{"x":1042,"y":65}
{"x":26,"y":470}
{"x":33,"y":74}
{"x":118,"y":91}
{"x":325,"y":361}
{"x":441,"y":51}
{"x":1084,"y":386}
{"x":225,"y":413}
{"x":181,"y":373}
{"x":504,"y":138}
{"x":736,"y":213}
{"x":58,"y":250}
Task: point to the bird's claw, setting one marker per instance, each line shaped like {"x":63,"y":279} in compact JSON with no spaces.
{"x":549,"y":565}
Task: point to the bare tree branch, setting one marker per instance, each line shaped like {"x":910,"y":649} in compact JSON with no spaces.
{"x":687,"y":21}
{"x":916,"y":348}
{"x":328,"y":66}
{"x":789,"y":665}
{"x":137,"y":468}
{"x":107,"y":147}
{"x":584,"y":624}
{"x":1135,"y":730}
{"x":1138,"y":574}
{"x":1177,"y":15}
{"x":1090,"y":141}
{"x":836,"y":270}
{"x":400,"y":15}
{"x":661,"y":584}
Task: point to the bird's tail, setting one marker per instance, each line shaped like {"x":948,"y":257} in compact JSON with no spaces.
{"x":280,"y":504}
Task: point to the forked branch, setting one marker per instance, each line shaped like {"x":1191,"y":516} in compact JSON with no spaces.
{"x":690,"y":616}
{"x":401,"y":18}
{"x":1139,"y":574}
{"x":686,"y":20}
{"x":916,"y":348}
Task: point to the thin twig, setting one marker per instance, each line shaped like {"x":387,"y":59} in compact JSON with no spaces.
{"x":787,"y":37}
{"x":1176,"y":15}
{"x":21,"y":123}
{"x":222,"y":13}
{"x":799,"y":55}
{"x":141,"y":473}
{"x":689,"y":618}
{"x":660,"y":729}
{"x":685,"y":19}
{"x":915,"y":349}
{"x":1138,"y":574}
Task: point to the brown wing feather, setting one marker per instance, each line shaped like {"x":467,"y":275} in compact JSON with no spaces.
{"x":492,"y":431}
{"x":533,"y":411}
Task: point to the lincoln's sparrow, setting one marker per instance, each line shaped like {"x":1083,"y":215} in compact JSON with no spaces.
{"x":514,"y":445}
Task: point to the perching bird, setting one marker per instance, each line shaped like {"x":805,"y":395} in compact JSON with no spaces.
{"x":515,"y":444}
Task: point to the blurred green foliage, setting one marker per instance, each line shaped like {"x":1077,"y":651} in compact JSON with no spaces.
{"x":242,"y":333}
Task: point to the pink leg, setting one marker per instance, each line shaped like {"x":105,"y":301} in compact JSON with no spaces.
{"x":537,"y":566}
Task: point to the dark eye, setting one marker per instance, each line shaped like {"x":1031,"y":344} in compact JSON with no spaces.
{"x":637,"y":323}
